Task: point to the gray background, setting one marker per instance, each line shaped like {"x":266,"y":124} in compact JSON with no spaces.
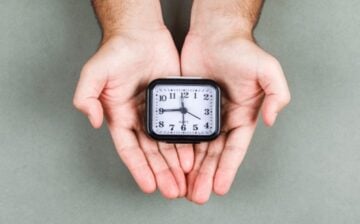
{"x":54,"y":168}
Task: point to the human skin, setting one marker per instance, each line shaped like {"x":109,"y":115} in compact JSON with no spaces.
{"x":220,"y":46}
{"x":136,"y":48}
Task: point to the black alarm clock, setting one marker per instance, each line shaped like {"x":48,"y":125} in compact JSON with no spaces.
{"x":183,"y":110}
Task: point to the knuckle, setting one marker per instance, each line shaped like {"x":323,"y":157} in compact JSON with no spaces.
{"x":214,"y":153}
{"x":123,"y":150}
{"x":163,"y":171}
{"x":285,"y":99}
{"x":166,"y":148}
{"x":233,"y":149}
{"x":77,"y":103}
{"x":200,"y":150}
{"x":151,"y":152}
{"x":87,"y":69}
{"x":81,"y":104}
{"x":183,"y":146}
{"x":274,"y":63}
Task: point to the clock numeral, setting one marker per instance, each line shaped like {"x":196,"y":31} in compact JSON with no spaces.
{"x":183,"y":127}
{"x":172,"y":126}
{"x":172,"y":96}
{"x":206,"y":96}
{"x":195,"y":95}
{"x":161,"y":110}
{"x":163,"y":98}
{"x":195,"y":127}
{"x":161,"y":124}
{"x":207,"y":125}
{"x":207,"y":111}
{"x":185,"y":95}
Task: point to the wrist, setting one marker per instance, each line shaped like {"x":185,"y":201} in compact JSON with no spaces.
{"x":120,"y":17}
{"x":220,"y":17}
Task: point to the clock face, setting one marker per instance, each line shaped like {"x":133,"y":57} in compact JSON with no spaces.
{"x":181,"y":108}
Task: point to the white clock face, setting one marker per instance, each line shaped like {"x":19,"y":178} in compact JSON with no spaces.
{"x":184,"y":110}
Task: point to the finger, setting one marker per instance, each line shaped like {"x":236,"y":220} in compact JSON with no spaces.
{"x":204,"y":181}
{"x":233,"y":154}
{"x":200,"y":152}
{"x":186,"y":156}
{"x":131,"y":154}
{"x":164,"y":178}
{"x":169,"y":153}
{"x":277,"y":94}
{"x":87,"y":93}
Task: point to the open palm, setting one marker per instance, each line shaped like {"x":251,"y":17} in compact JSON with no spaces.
{"x":113,"y":83}
{"x":246,"y":74}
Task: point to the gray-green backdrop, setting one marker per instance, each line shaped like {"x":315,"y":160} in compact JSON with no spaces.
{"x":54,"y":168}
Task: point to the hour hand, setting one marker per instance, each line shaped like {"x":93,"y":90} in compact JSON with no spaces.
{"x":161,"y":110}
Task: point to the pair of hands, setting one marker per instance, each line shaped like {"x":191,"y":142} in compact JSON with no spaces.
{"x":113,"y":82}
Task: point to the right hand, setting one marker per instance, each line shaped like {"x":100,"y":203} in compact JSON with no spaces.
{"x":113,"y":83}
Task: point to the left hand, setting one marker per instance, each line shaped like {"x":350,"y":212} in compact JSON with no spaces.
{"x":246,"y":74}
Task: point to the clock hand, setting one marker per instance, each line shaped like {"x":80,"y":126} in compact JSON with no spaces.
{"x":183,"y":119}
{"x":182,"y":101}
{"x":182,"y":110}
{"x":194,"y":115}
{"x":171,"y":110}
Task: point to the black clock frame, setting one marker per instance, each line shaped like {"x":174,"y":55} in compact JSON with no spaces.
{"x":182,"y":138}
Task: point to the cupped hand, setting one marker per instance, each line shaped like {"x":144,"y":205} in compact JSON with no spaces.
{"x":250,"y":79}
{"x":112,"y":83}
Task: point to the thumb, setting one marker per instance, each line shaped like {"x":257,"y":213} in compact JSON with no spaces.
{"x":277,"y":94}
{"x":87,"y":93}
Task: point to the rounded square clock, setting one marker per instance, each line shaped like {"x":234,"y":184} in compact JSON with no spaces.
{"x":182,"y":110}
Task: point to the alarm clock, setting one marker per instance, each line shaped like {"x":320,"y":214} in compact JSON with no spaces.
{"x":183,"y":110}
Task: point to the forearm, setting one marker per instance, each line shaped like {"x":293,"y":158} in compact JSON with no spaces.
{"x":118,"y":15}
{"x":212,"y":15}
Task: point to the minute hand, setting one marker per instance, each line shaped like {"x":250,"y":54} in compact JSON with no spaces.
{"x":183,"y":110}
{"x":193,"y":115}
